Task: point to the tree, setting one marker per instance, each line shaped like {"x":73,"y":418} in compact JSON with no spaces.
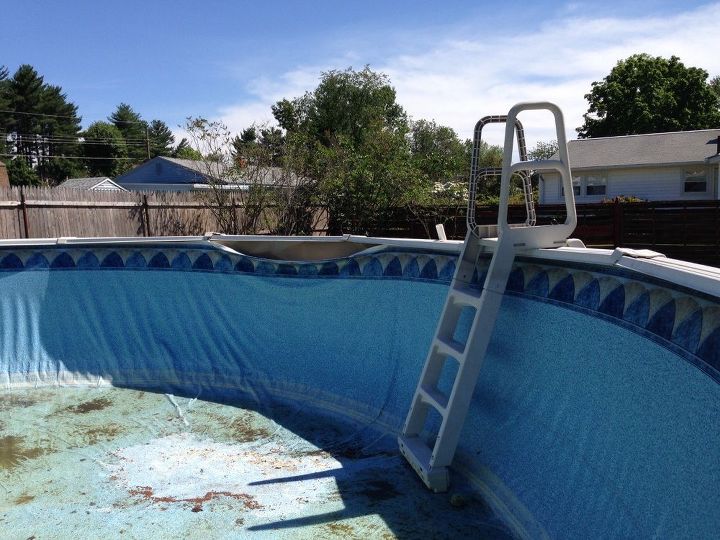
{"x":544,"y":150}
{"x":60,"y":131}
{"x":22,"y":174}
{"x":353,"y":136}
{"x":105,"y":150}
{"x":438,"y":153}
{"x":161,"y":139}
{"x":184,"y":151}
{"x":133,"y":130}
{"x":352,"y":104}
{"x":5,"y":105}
{"x":243,"y":145}
{"x":237,"y":196}
{"x":645,"y":94}
{"x":42,"y":126}
{"x":273,"y":142}
{"x":715,"y":85}
{"x":25,"y":88}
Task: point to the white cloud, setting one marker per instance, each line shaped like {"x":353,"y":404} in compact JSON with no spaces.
{"x":456,"y":81}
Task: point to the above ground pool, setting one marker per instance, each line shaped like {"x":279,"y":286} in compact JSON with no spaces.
{"x":208,"y":389}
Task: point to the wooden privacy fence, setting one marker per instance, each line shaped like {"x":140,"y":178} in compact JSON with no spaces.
{"x":688,"y":230}
{"x":54,"y":212}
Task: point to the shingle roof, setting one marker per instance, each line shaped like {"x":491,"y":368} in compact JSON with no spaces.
{"x":265,"y":175}
{"x":197,"y":166}
{"x":83,"y":183}
{"x":643,"y":150}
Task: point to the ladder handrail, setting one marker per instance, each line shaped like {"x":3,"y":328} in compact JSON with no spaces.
{"x":543,"y":235}
{"x":476,"y":172}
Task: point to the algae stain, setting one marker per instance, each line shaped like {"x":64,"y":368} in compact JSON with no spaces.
{"x":24,"y":499}
{"x":97,"y":404}
{"x":244,"y":431}
{"x":94,"y":435}
{"x":10,"y":401}
{"x":341,"y":530}
{"x":13,"y":453}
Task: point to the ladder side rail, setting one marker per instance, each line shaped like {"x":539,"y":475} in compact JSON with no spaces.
{"x":476,"y":173}
{"x":562,"y":165}
{"x":432,"y":368}
{"x":476,"y":346}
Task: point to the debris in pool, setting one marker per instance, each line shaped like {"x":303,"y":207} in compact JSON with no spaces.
{"x":13,"y":453}
{"x":24,"y":499}
{"x":166,"y":471}
{"x":147,"y":493}
{"x":97,"y":404}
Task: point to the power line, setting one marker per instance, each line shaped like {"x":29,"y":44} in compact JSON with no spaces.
{"x":66,"y":116}
{"x":69,"y":137}
{"x":40,"y":139}
{"x":63,"y":157}
{"x":40,"y":114}
{"x":86,"y":143}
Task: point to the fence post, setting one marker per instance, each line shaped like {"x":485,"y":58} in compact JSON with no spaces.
{"x":146,"y":215}
{"x":617,"y":224}
{"x":23,"y":209}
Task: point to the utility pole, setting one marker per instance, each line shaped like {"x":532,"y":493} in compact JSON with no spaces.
{"x":147,"y":140}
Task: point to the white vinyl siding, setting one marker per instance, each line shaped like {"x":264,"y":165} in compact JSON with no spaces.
{"x":652,"y":184}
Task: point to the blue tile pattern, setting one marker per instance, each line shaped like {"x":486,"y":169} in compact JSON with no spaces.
{"x":687,"y":323}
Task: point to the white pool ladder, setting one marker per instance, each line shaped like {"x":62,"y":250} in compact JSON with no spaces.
{"x":431,"y":462}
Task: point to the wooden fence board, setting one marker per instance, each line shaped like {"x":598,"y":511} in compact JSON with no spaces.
{"x":688,"y":230}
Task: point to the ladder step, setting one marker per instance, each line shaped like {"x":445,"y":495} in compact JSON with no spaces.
{"x":418,"y":455}
{"x":434,"y":397}
{"x":488,"y":242}
{"x":487,"y":231}
{"x":466,"y":296}
{"x":450,"y":347}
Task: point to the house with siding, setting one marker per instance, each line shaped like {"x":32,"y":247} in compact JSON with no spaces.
{"x":175,"y":174}
{"x":683,"y":165}
{"x":96,"y":183}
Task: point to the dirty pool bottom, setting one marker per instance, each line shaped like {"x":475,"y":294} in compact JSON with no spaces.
{"x":99,"y":462}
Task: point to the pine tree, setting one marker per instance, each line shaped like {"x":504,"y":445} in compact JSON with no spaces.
{"x":26,"y":89}
{"x":42,"y":127}
{"x":184,"y":151}
{"x":161,"y":139}
{"x":5,"y":105}
{"x":59,"y":131}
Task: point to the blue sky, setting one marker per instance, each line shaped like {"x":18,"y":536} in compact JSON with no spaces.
{"x":452,"y":61}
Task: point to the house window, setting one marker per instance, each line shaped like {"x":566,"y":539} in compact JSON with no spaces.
{"x":577,"y":183}
{"x":695,"y":181}
{"x":595,"y":185}
{"x":590,"y":186}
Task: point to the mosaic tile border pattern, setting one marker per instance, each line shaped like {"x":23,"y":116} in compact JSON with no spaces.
{"x":400,"y":264}
{"x":689,"y":324}
{"x":686,"y":323}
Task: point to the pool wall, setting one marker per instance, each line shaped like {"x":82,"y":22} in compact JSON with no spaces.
{"x":596,"y":412}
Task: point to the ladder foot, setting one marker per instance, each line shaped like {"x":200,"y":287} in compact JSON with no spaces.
{"x":417,"y":454}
